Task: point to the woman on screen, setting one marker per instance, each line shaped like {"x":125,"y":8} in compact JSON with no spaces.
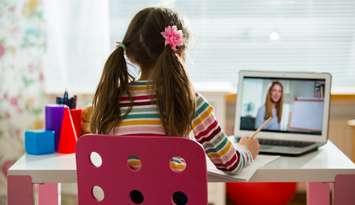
{"x":272,"y":107}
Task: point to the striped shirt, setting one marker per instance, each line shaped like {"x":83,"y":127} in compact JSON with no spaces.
{"x":144,"y":118}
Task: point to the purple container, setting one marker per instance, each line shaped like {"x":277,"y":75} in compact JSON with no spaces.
{"x":54,"y":118}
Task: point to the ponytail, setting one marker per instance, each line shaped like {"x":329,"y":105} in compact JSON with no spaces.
{"x":175,"y":97}
{"x":113,"y":83}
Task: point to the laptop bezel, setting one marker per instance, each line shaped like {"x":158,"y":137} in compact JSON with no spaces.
{"x":286,"y":136}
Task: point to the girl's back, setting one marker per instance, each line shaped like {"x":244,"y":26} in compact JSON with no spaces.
{"x":163,"y":101}
{"x":143,"y":117}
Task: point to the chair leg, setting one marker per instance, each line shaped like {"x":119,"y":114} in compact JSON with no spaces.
{"x":19,"y":190}
{"x":344,"y":189}
{"x":49,"y":194}
{"x":318,"y":193}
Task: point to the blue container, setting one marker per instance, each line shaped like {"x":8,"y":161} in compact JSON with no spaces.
{"x":39,"y":142}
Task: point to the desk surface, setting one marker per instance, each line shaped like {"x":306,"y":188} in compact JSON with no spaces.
{"x":322,"y":166}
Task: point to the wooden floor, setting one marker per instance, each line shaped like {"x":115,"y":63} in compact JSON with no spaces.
{"x":300,"y":199}
{"x":3,"y":200}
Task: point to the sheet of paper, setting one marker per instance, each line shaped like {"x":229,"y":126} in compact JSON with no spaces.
{"x":245,"y":174}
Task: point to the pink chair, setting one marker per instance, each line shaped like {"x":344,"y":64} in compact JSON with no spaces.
{"x":105,"y":177}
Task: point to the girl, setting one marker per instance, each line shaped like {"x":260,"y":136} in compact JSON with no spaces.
{"x":272,"y":107}
{"x":162,"y":101}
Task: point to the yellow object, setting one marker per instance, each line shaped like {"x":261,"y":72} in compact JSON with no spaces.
{"x":134,"y":163}
{"x":38,"y":124}
{"x":85,"y":120}
{"x":351,"y":123}
{"x":30,"y":7}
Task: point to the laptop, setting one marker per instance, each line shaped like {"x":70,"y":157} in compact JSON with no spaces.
{"x":296,"y":102}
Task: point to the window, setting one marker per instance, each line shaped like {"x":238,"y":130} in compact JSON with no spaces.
{"x":287,"y":35}
{"x":77,"y":44}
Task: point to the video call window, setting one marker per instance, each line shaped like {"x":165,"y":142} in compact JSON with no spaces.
{"x":295,"y":105}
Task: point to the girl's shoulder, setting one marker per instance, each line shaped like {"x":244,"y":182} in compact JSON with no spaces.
{"x":200,"y":99}
{"x":201,"y":104}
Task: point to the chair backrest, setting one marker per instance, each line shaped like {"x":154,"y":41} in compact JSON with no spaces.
{"x":102,"y":166}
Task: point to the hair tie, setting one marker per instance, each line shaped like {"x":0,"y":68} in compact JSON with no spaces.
{"x":173,"y":37}
{"x":121,"y":45}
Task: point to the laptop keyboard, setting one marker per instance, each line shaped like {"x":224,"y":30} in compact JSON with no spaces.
{"x":285,"y":143}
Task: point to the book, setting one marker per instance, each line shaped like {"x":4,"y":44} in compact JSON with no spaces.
{"x":245,"y":174}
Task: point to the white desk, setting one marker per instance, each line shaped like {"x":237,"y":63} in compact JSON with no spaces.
{"x":320,"y":166}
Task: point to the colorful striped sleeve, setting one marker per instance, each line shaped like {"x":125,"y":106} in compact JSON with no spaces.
{"x":218,"y":148}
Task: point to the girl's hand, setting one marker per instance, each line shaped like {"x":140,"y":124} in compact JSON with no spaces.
{"x":252,"y":144}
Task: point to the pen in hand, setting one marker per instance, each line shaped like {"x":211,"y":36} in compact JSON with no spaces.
{"x":251,"y":143}
{"x":266,"y":122}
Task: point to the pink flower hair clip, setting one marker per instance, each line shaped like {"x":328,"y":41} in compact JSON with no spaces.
{"x":173,"y":37}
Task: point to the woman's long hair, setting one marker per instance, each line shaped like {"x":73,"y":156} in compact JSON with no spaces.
{"x":144,"y":45}
{"x":269,"y":104}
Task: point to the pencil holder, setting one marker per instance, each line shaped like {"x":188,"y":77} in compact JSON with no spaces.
{"x":54,"y":118}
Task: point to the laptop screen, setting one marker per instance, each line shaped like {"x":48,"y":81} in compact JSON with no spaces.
{"x":294,"y":105}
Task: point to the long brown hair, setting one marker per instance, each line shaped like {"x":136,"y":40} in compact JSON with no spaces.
{"x":144,"y":45}
{"x":269,"y":103}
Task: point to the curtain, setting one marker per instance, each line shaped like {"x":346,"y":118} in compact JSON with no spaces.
{"x":77,"y":43}
{"x":22,"y":45}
